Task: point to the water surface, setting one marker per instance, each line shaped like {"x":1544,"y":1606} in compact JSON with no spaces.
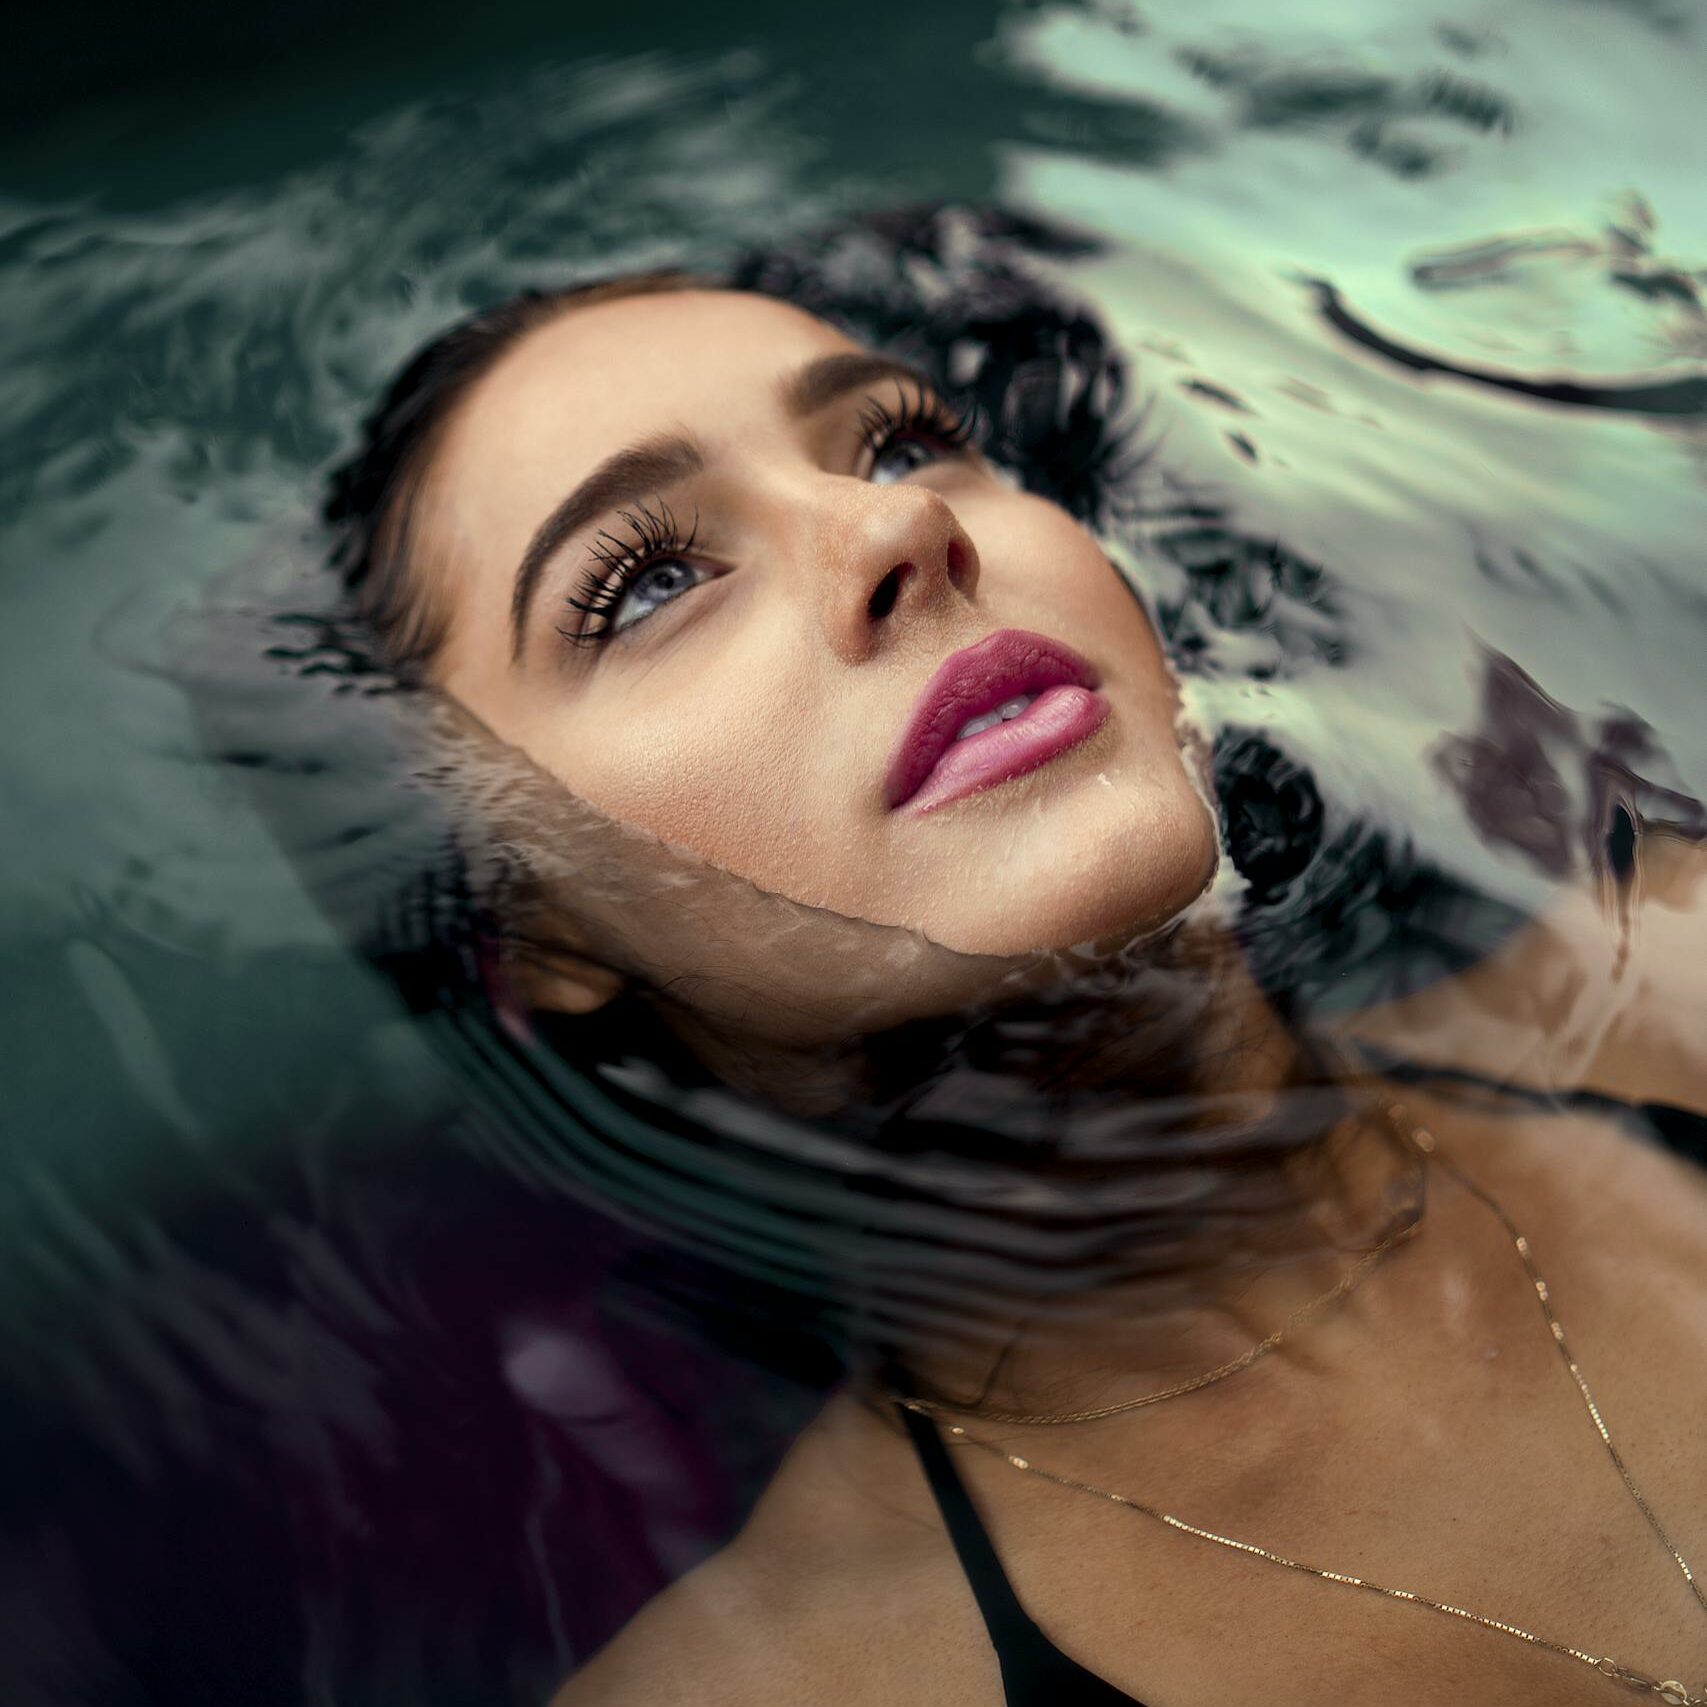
{"x":1413,"y":299}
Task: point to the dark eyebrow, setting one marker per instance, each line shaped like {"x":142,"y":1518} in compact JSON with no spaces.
{"x":644,"y":468}
{"x":624,"y":478}
{"x":829,"y":377}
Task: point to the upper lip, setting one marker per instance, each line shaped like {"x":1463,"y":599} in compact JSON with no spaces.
{"x":969,"y":683}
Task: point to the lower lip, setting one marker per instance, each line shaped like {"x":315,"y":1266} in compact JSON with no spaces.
{"x":1055,"y":722}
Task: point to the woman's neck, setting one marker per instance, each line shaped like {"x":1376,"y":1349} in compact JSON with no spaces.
{"x":1358,"y":1195}
{"x":1290,"y":1172}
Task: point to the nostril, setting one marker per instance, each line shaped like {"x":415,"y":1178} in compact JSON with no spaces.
{"x":887,"y":591}
{"x":956,"y":561}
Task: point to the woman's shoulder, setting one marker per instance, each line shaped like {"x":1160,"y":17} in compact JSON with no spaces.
{"x":735,"y":1633}
{"x":1603,"y":993}
{"x":716,"y":1638}
{"x":837,"y":1590}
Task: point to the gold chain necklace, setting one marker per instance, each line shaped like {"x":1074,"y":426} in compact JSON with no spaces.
{"x":1668,"y":1690}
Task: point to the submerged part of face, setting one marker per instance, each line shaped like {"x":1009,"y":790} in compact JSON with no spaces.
{"x":739,"y":970}
{"x":731,"y":582}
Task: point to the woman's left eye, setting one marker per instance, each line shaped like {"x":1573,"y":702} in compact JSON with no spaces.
{"x":901,"y":457}
{"x":911,"y":434}
{"x":659,"y":582}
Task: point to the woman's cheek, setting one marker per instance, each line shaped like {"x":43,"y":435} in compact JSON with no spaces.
{"x":724,"y":782}
{"x":1041,"y":561}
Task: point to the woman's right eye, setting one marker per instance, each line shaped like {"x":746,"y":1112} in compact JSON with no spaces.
{"x":654,"y":586}
{"x":631,"y":578}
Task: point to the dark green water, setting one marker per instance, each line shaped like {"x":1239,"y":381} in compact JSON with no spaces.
{"x":215,"y":247}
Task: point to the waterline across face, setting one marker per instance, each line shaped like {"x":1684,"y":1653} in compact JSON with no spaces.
{"x":734,"y":580}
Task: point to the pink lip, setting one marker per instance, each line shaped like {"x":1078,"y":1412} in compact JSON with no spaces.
{"x":930,"y":767}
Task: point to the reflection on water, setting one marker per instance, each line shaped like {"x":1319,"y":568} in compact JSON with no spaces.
{"x":1400,"y":433}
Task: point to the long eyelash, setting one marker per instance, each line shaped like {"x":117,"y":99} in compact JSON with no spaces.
{"x":926,"y":415}
{"x":618,"y":563}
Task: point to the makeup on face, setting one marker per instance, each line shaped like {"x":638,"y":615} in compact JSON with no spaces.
{"x":626,"y":491}
{"x":997,"y":710}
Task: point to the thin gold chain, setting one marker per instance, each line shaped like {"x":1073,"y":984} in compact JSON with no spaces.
{"x":1544,"y":1297}
{"x":1668,"y":1690}
{"x":1405,"y":1226}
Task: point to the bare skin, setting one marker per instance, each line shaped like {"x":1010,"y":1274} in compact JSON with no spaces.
{"x":1426,"y":1436}
{"x":1603,"y":993}
{"x":743,"y":710}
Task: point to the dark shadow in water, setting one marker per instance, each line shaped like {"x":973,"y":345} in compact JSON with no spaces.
{"x":1673,"y":397}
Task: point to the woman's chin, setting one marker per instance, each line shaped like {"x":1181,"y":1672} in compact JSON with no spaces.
{"x":1099,"y":905}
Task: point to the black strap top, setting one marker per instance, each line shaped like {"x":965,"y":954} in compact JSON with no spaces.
{"x":1035,"y":1673}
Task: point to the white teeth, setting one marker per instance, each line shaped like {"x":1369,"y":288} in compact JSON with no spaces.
{"x":1006,"y":712}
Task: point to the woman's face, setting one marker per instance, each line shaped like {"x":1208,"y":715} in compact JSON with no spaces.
{"x":734,"y":581}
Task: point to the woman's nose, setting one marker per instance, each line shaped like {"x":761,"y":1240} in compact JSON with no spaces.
{"x":888,"y":553}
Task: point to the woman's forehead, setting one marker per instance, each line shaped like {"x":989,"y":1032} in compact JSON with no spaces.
{"x":580,"y":389}
{"x":597,"y":378}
